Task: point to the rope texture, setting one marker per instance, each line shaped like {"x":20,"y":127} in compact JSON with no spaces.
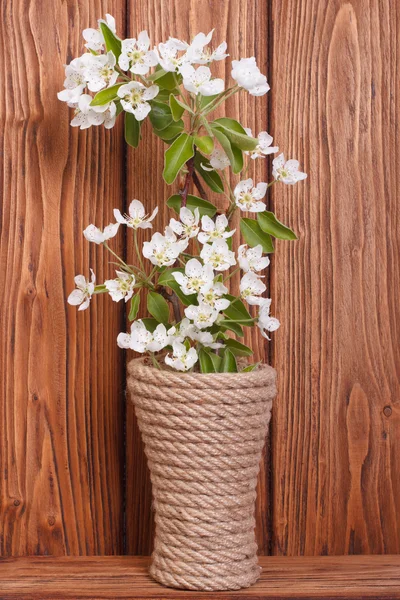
{"x":203,"y":437}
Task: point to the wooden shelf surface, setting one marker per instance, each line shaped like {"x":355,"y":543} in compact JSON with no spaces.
{"x":111,"y":577}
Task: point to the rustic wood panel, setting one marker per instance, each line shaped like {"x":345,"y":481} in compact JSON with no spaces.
{"x":353,"y":578}
{"x":244,"y":26}
{"x":61,"y":372}
{"x":336,"y":430}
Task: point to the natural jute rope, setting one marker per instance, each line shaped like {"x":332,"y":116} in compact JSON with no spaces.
{"x":203,"y":438}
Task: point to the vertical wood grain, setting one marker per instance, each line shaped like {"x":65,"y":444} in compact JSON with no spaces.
{"x":336,"y":431}
{"x":61,"y":373}
{"x":244,"y":26}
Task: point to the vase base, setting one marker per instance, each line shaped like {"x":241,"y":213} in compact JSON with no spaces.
{"x":211,"y":583}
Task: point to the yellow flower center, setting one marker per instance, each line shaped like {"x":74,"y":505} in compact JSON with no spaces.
{"x":247,"y":199}
{"x":107,"y":72}
{"x":216,"y":260}
{"x":135,"y":97}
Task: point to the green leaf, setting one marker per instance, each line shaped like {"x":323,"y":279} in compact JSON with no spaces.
{"x":167,"y":280}
{"x":216,"y":360}
{"x":270,"y":224}
{"x":159,"y":72}
{"x":150,"y":323}
{"x":170,"y":132}
{"x":211,"y":178}
{"x":206,"y":363}
{"x":106,"y":96}
{"x":160,"y":115}
{"x":164,"y":79}
{"x":206,"y":100}
{"x":250,"y":368}
{"x":166,"y":276}
{"x":235,"y":327}
{"x":132,"y":130}
{"x":233,"y":153}
{"x":237,"y":348}
{"x":163,"y":95}
{"x":113,"y":43}
{"x":135,"y":302}
{"x":254,"y":235}
{"x":205,"y":143}
{"x":228,"y":364}
{"x":177,"y":109}
{"x":176,"y":156}
{"x":158,"y":307}
{"x":237,"y":311}
{"x":236,"y":133}
{"x":192,"y":202}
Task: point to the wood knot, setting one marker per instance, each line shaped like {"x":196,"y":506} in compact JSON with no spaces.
{"x":387,"y":411}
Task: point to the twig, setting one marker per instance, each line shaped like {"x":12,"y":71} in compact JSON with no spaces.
{"x":173,"y":298}
{"x":199,"y":186}
{"x":189,"y":175}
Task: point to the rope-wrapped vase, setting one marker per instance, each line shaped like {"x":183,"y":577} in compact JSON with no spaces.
{"x":203,"y":436}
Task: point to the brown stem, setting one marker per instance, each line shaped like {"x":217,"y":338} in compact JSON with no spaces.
{"x":199,"y":186}
{"x":173,"y":298}
{"x":189,"y":175}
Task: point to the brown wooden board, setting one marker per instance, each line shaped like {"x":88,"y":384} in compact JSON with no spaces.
{"x":61,"y":373}
{"x":244,"y":26}
{"x":334,"y":105}
{"x":350,"y":577}
{"x":336,"y":424}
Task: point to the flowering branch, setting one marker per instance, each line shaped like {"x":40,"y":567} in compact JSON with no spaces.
{"x":194,"y":259}
{"x":174,"y":300}
{"x":189,"y":175}
{"x":198,"y":185}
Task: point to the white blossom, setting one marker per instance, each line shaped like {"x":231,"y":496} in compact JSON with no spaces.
{"x":211,"y":295}
{"x":202,"y":315}
{"x":75,"y":80}
{"x":141,"y":340}
{"x":186,"y":329}
{"x":198,"y":54}
{"x":188,"y":226}
{"x":218,"y":160}
{"x":182,"y":359}
{"x":170,"y":59}
{"x":163,"y":250}
{"x":218,"y":255}
{"x":134,"y":98}
{"x":137,"y":218}
{"x":136,"y":56}
{"x":264,"y":145}
{"x":104,"y":115}
{"x":251,"y":287}
{"x":100,"y":71}
{"x":121,"y":287}
{"x":198,"y":81}
{"x":196,"y":277}
{"x":265,"y":321}
{"x":94,"y":234}
{"x":247,"y":75}
{"x":84,"y":291}
{"x":248,"y":197}
{"x":214,"y":230}
{"x":84,"y":115}
{"x":251,"y":259}
{"x":94,"y":38}
{"x":287,"y":171}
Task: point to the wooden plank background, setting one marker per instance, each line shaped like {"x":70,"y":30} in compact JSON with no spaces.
{"x":73,"y":476}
